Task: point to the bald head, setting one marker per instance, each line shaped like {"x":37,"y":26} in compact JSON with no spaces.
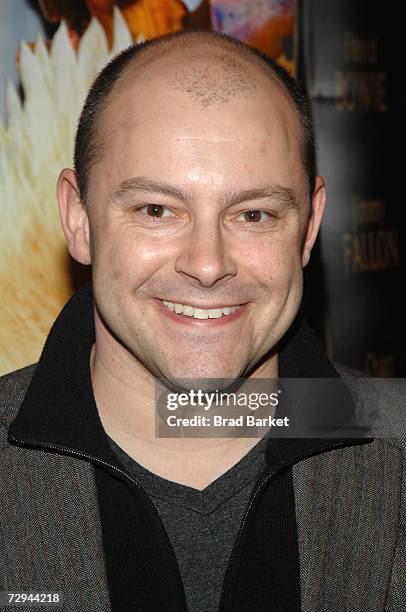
{"x":208,"y":69}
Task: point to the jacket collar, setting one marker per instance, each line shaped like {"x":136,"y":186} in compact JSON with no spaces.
{"x":59,"y":409}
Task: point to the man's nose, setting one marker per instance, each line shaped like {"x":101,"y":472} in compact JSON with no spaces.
{"x":205,"y":256}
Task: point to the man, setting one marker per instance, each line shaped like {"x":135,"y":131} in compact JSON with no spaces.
{"x":196,"y":201}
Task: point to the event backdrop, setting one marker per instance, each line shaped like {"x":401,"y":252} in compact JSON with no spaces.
{"x":350,"y":60}
{"x":37,"y":275}
{"x":339,"y":50}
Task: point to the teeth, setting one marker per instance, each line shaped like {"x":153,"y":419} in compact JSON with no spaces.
{"x":187,"y":310}
{"x":200,"y":313}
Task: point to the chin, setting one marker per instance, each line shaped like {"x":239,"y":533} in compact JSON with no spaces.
{"x":200,"y":376}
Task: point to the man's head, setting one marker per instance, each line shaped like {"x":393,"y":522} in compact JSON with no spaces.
{"x":193,"y":188}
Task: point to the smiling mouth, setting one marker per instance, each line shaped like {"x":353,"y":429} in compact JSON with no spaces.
{"x":200,"y":313}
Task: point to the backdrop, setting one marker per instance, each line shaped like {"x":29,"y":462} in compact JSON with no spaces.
{"x":51,"y":50}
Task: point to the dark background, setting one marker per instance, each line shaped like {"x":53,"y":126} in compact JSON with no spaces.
{"x":349,"y":59}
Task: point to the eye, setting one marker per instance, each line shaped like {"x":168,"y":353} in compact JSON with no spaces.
{"x":154,"y":211}
{"x":254,"y":216}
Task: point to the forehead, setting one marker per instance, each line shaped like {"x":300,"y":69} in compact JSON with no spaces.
{"x":184,"y":82}
{"x":216,"y":109}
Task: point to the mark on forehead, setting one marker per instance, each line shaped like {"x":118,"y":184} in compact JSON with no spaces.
{"x":216,"y":82}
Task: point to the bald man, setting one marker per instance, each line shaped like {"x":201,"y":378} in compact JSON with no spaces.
{"x":196,"y":201}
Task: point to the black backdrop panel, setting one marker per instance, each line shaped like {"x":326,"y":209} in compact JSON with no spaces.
{"x":351,"y":69}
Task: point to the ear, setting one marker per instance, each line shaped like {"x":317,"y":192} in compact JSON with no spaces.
{"x":313,"y":225}
{"x":74,"y":217}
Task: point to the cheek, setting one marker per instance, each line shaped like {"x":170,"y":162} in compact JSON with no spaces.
{"x":274,"y":261}
{"x":127,"y":257}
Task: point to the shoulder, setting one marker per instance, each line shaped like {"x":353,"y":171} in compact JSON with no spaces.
{"x":379,"y":403}
{"x":13,"y":387}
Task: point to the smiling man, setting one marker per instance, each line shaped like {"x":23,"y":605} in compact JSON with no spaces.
{"x":196,"y":201}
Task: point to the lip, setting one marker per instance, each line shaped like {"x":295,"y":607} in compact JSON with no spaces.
{"x":185,"y":320}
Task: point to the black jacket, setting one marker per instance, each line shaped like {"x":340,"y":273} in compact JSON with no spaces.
{"x":59,"y":415}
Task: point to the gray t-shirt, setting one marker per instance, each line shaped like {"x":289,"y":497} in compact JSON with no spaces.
{"x":202,"y":525}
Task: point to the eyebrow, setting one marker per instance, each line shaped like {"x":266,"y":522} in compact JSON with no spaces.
{"x":141,"y":184}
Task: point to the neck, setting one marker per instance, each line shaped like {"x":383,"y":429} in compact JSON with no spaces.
{"x":125,"y":396}
{"x":124,"y":391}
